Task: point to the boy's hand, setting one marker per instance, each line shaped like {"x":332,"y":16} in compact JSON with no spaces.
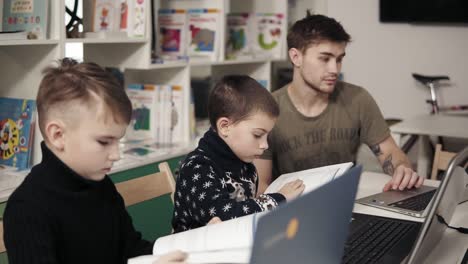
{"x":214,"y":220}
{"x":403,"y":178}
{"x":172,"y":257}
{"x":293,"y":189}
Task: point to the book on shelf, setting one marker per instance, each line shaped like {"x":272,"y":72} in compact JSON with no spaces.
{"x":143,"y":122}
{"x":206,"y":245}
{"x":312,"y":178}
{"x":165,"y":112}
{"x":268,"y":35}
{"x":238,"y":36}
{"x":106,"y":35}
{"x":13,"y":35}
{"x":171,"y":34}
{"x":138,"y":151}
{"x":133,"y":17}
{"x":30,"y":16}
{"x":157,"y":113}
{"x":177,"y":114}
{"x":17,"y":123}
{"x":204,"y":33}
{"x":105,"y":16}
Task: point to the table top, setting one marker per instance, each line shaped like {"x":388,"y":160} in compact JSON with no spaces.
{"x":434,"y":125}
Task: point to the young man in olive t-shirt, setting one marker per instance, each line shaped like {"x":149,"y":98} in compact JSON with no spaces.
{"x":322,"y":120}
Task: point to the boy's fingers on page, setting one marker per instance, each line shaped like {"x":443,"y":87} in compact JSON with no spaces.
{"x":296,"y":183}
{"x":215,"y":220}
{"x":301,"y":188}
{"x":172,"y":257}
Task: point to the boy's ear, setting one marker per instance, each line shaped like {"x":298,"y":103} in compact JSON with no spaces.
{"x":55,"y":134}
{"x":222,"y":126}
{"x":295,"y":56}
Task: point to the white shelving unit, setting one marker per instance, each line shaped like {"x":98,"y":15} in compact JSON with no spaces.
{"x":23,"y":61}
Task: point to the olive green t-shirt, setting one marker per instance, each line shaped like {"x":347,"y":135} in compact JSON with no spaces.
{"x":298,"y":142}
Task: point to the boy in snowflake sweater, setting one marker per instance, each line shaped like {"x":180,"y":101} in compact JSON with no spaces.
{"x":218,"y":178}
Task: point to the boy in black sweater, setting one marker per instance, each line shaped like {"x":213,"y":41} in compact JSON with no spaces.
{"x":218,"y":178}
{"x":67,"y":210}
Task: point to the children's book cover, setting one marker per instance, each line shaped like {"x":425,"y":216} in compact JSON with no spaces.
{"x":17,"y":119}
{"x":133,"y":17}
{"x":177,"y":114}
{"x":172,"y":28}
{"x":203,"y":33}
{"x":268,"y":35}
{"x":26,"y":15}
{"x":142,"y":123}
{"x":238,"y":36}
{"x":165,"y":111}
{"x":106,"y":16}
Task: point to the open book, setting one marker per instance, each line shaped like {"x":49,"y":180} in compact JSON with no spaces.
{"x":226,"y":242}
{"x":312,"y":178}
{"x":231,"y":241}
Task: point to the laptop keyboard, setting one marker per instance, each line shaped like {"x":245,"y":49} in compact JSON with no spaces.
{"x":415,"y":203}
{"x":373,"y":237}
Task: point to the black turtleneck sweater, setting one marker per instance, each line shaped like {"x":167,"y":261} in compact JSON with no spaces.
{"x":213,"y":181}
{"x":56,"y":216}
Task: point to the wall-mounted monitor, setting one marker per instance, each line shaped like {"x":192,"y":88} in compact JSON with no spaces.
{"x":424,"y":11}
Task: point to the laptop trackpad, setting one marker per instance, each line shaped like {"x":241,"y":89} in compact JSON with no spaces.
{"x":389,"y":197}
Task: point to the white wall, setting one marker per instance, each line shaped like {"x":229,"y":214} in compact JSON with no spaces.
{"x":382,"y":57}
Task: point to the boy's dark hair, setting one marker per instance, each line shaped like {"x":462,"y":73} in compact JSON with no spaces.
{"x":315,"y":28}
{"x":80,"y":82}
{"x":237,"y":97}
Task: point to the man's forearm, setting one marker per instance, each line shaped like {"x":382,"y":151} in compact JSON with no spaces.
{"x":391,"y":160}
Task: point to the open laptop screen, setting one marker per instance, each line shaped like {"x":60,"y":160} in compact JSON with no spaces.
{"x":446,"y":199}
{"x":310,"y":229}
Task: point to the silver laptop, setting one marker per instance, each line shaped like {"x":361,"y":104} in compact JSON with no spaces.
{"x":450,"y":193}
{"x":386,"y":240}
{"x":413,"y":202}
{"x":310,"y":229}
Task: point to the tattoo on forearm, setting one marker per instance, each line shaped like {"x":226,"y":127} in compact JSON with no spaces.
{"x":387,"y":165}
{"x":376,"y":149}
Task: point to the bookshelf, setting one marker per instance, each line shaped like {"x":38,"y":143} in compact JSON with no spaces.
{"x":24,"y":60}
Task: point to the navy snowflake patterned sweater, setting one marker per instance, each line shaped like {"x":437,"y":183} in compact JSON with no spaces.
{"x":213,"y":181}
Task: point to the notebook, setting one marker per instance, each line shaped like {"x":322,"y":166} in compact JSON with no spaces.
{"x":374,"y":239}
{"x":411,"y":202}
{"x":310,"y":229}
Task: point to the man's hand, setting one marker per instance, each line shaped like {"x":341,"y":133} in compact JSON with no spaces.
{"x":403,"y":178}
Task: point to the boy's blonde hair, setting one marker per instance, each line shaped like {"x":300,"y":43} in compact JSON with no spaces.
{"x":239,"y":96}
{"x":73,"y":83}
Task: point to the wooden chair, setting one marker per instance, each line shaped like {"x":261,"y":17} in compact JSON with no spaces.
{"x":2,"y":244}
{"x":441,"y":161}
{"x":147,"y":187}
